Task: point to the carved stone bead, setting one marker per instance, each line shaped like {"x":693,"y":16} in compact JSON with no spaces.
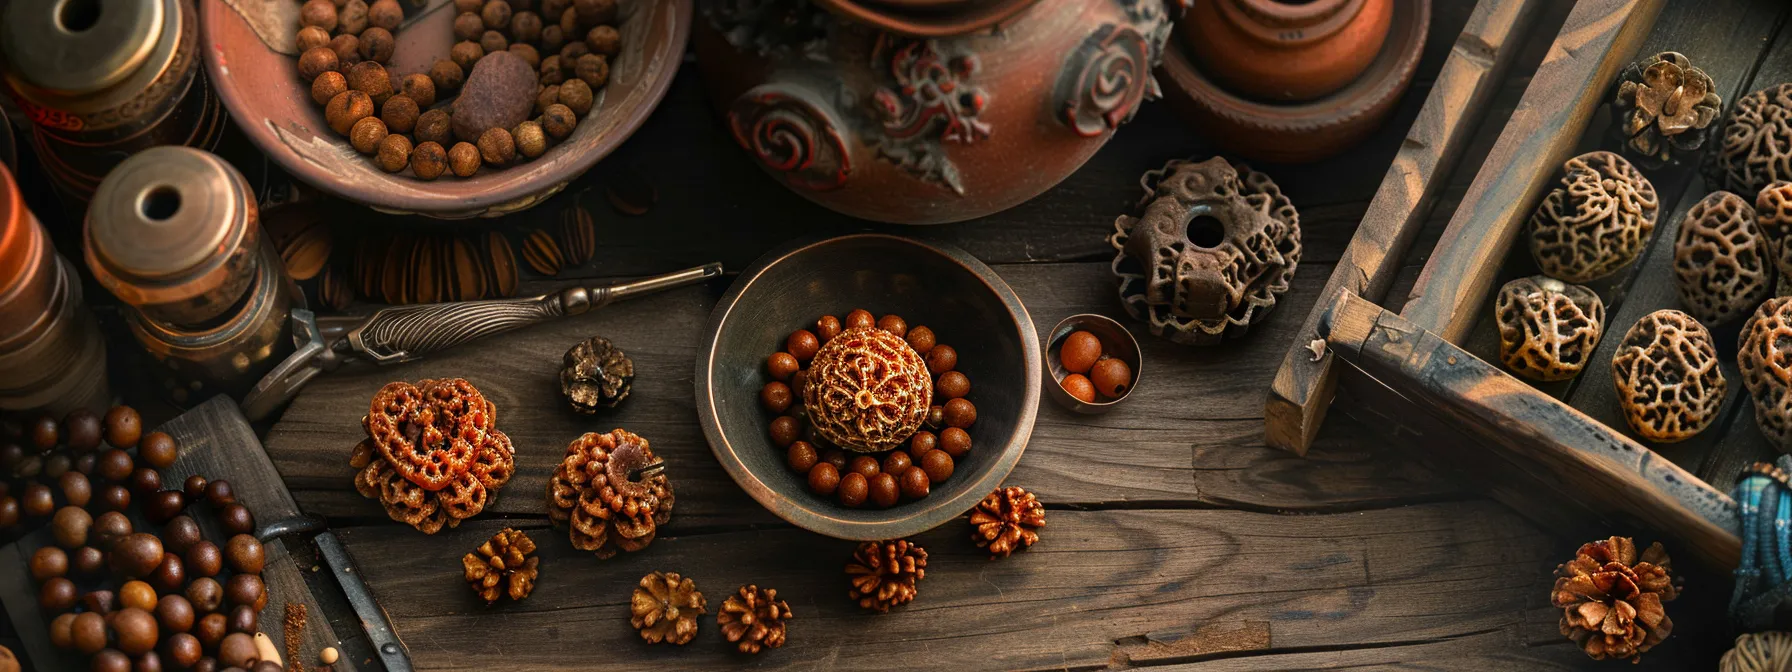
{"x":1721,"y":259}
{"x":1757,"y":143}
{"x":1667,"y":377}
{"x":1765,"y":357}
{"x":1215,"y":248}
{"x":1773,"y":213}
{"x":1599,"y":219}
{"x":1548,"y":328}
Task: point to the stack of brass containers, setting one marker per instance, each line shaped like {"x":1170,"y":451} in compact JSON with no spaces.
{"x":103,"y":79}
{"x":174,"y":233}
{"x":52,"y":358}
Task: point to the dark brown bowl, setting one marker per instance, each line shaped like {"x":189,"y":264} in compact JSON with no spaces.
{"x":944,"y":288}
{"x":1116,"y":342}
{"x":273,"y":106}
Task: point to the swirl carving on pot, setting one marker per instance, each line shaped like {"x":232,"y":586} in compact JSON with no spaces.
{"x":1109,"y":76}
{"x":793,"y":135}
{"x":931,"y":101}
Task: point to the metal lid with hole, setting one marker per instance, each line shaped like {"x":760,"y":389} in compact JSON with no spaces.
{"x":172,"y":231}
{"x":75,"y":47}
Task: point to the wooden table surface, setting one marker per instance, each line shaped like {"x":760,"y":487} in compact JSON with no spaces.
{"x":1175,"y":536}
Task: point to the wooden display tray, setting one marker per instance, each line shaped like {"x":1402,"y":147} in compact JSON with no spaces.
{"x":217,"y":442}
{"x":1561,"y":453}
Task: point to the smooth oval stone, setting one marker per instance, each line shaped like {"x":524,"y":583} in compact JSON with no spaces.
{"x":499,"y":93}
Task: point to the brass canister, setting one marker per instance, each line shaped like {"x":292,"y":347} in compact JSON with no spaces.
{"x":174,"y":233}
{"x":103,"y":79}
{"x":52,"y":358}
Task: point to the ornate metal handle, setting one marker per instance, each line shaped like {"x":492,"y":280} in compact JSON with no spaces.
{"x":403,"y":333}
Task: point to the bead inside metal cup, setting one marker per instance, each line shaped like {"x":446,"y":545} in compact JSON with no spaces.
{"x":1116,"y":342}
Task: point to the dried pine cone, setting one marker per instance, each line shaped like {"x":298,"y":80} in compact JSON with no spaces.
{"x":665,"y":608}
{"x":1611,"y":599}
{"x":596,"y":374}
{"x":883,"y":574}
{"x":754,"y":618}
{"x":611,"y":491}
{"x":502,"y":566}
{"x":1006,"y":521}
{"x":434,"y":455}
{"x":1666,"y":108}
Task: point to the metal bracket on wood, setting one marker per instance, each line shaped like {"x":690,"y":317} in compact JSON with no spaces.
{"x":385,"y":642}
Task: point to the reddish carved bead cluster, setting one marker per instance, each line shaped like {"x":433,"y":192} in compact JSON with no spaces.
{"x":434,"y":455}
{"x":888,"y":393}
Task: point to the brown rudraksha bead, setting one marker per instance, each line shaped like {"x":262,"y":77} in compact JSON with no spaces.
{"x":1006,"y":521}
{"x":1669,"y":383}
{"x":867,"y":390}
{"x":1763,"y":356}
{"x":754,"y":619}
{"x":611,"y":492}
{"x":1548,"y":328}
{"x":665,"y":608}
{"x":883,"y":574}
{"x":1611,"y":598}
{"x":1599,"y":219}
{"x":1756,"y":149}
{"x":434,"y":455}
{"x":1722,"y":264}
{"x":503,"y":565}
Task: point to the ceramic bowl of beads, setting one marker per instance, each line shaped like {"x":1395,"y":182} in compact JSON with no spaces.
{"x":959,"y":299}
{"x":251,"y":57}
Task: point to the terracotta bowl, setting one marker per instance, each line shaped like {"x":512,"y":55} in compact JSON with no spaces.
{"x":944,"y":288}
{"x":1304,"y":131}
{"x":273,"y":106}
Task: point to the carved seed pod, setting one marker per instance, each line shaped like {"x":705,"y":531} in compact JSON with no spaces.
{"x":301,"y":237}
{"x":467,"y":275}
{"x":333,"y":288}
{"x":1599,"y":219}
{"x":1216,"y":246}
{"x":1757,"y":143}
{"x":1765,"y":358}
{"x":1548,"y":328}
{"x":394,"y":280}
{"x":425,"y":282}
{"x":1721,"y":259}
{"x":1773,"y":214}
{"x":501,"y":260}
{"x":1668,"y":380}
{"x":578,"y":235}
{"x":542,"y":253}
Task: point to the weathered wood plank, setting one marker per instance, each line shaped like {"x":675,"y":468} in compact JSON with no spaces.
{"x":1303,"y":386}
{"x":1579,"y":458}
{"x":1097,"y":587}
{"x":1598,"y":38}
{"x":1161,"y":446}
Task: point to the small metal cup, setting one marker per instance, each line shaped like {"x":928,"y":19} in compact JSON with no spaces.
{"x":1116,"y":342}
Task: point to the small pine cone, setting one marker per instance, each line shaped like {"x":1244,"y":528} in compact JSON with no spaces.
{"x":883,"y":574}
{"x":502,"y":566}
{"x":754,"y":618}
{"x":1007,"y":520}
{"x":665,"y":608}
{"x":595,"y":374}
{"x":1611,"y":600}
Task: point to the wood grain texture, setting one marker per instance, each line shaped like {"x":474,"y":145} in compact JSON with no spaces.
{"x":1580,"y":458}
{"x":1303,"y":386}
{"x":1598,"y":38}
{"x":1099,"y":589}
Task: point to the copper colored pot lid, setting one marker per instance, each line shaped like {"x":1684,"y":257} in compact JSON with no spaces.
{"x":928,"y":18}
{"x":75,"y":47}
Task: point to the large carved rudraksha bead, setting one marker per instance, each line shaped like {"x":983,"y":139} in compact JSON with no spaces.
{"x":1215,"y":248}
{"x":1722,"y":264}
{"x":1599,"y":219}
{"x":1756,"y":150}
{"x":1765,"y":357}
{"x":1548,"y":328}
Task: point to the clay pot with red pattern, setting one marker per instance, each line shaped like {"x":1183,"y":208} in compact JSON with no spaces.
{"x":928,"y":111}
